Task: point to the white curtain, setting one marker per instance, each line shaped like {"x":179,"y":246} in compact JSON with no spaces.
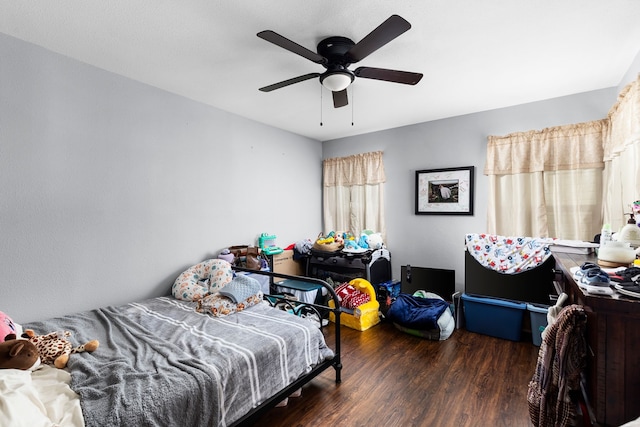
{"x":353,"y":193}
{"x":547,"y":183}
{"x":567,"y":181}
{"x":622,"y":156}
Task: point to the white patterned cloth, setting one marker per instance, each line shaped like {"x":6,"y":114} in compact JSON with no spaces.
{"x":508,"y":255}
{"x":202,"y":279}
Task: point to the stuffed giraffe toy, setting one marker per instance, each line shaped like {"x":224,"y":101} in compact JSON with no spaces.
{"x":55,"y":348}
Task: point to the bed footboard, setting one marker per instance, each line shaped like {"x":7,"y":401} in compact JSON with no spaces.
{"x":308,"y":310}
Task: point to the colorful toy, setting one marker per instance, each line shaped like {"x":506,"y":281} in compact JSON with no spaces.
{"x":8,"y":327}
{"x":226,"y":255}
{"x":325,"y":240}
{"x":363,"y":242}
{"x":351,"y":244}
{"x":267,"y":244}
{"x":347,"y":235}
{"x":55,"y":348}
{"x":375,"y":241}
{"x":18,"y":354}
{"x":327,"y":243}
{"x":339,"y":239}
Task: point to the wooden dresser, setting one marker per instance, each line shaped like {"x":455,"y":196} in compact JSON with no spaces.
{"x":612,"y":383}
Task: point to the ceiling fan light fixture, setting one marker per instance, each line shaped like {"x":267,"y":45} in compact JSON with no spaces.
{"x":337,"y":81}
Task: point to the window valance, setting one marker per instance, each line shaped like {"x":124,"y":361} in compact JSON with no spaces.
{"x":575,"y":146}
{"x":359,"y":169}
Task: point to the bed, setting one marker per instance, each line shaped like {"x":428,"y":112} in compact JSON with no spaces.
{"x":160,"y":362}
{"x":512,"y":268}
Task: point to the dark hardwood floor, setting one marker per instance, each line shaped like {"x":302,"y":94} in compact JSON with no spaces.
{"x":394,"y":379}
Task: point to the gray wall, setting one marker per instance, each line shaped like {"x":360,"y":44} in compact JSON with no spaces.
{"x":438,"y":241}
{"x":111,"y":188}
{"x":631,"y":74}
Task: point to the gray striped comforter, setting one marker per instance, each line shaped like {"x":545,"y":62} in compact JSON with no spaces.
{"x":160,"y":363}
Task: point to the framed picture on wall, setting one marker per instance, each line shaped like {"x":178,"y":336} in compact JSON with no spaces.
{"x":446,"y":191}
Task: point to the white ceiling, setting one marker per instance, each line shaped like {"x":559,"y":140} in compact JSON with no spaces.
{"x":475,"y":55}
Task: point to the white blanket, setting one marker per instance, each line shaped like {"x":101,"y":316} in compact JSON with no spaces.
{"x":39,"y":398}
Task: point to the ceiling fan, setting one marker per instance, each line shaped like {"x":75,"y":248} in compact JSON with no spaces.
{"x":337,"y":53}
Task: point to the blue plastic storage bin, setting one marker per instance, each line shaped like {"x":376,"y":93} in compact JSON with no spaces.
{"x":494,"y":317}
{"x":538,"y":315}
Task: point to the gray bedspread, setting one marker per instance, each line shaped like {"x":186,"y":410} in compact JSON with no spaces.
{"x":160,"y":363}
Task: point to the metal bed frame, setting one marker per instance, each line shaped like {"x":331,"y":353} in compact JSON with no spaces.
{"x":301,"y":309}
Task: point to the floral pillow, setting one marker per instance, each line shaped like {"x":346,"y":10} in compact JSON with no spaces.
{"x":220,"y":305}
{"x":201,"y":279}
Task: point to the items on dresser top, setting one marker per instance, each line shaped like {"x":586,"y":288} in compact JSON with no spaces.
{"x":627,"y":281}
{"x":573,"y":246}
{"x":592,"y":279}
{"x":604,"y":281}
{"x":628,"y":290}
{"x":616,"y":254}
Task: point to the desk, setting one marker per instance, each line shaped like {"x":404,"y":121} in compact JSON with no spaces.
{"x":613,"y":354}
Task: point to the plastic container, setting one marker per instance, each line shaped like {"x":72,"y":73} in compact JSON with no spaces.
{"x":617,"y":252}
{"x":538,"y":316}
{"x":494,"y":317}
{"x":605,"y":234}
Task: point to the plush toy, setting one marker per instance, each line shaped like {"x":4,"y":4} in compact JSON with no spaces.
{"x":55,"y":348}
{"x":325,"y":240}
{"x":227,"y":255}
{"x":375,"y":241}
{"x":554,"y":310}
{"x":18,"y":354}
{"x":8,"y":327}
{"x":351,"y":244}
{"x":363,"y":241}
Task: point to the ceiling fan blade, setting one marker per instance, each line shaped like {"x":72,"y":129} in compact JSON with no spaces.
{"x":294,"y":47}
{"x":340,"y":99}
{"x":289,"y":82}
{"x":387,"y":31}
{"x":395,"y":76}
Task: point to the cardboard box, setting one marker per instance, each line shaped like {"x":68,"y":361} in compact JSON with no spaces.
{"x":285,"y":264}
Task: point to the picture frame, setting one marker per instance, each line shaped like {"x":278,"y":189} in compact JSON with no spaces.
{"x":446,"y":191}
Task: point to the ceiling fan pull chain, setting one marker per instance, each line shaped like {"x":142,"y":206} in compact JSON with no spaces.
{"x":320,"y":105}
{"x":353,"y":101}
